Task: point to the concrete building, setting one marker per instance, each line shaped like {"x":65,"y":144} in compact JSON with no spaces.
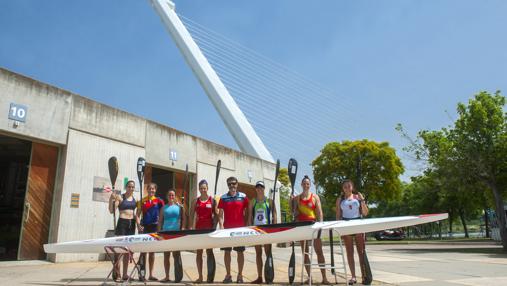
{"x":54,"y":148}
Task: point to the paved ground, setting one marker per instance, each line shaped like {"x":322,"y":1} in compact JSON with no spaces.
{"x":392,"y":264}
{"x":439,"y":264}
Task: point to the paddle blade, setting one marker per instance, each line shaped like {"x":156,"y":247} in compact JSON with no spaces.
{"x":331,"y":244}
{"x":292,"y":267}
{"x":178,"y":267}
{"x":367,"y":275}
{"x":142,"y":266}
{"x":219,"y":165}
{"x":141,"y":165}
{"x":112,"y":165}
{"x":269,"y":270}
{"x":210,"y":261}
{"x":293,"y":170}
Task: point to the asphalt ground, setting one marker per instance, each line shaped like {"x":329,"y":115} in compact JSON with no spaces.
{"x":467,"y":263}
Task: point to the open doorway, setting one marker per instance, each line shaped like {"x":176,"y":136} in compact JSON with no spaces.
{"x":168,"y":179}
{"x":14,"y":166}
{"x":164,"y":180}
{"x":248,"y":190}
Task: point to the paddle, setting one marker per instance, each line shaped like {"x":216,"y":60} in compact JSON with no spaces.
{"x":366,"y":271}
{"x":293,"y":168}
{"x":219,"y":163}
{"x":269,"y":271}
{"x":141,"y":165}
{"x":210,"y":257}
{"x":178,"y":265}
{"x":332,"y":250}
{"x":112,"y":165}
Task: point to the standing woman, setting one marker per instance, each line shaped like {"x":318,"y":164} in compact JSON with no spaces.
{"x":351,"y":205}
{"x":308,"y":208}
{"x":171,"y":218}
{"x":204,"y":212}
{"x":127,"y":221}
{"x":149,"y":208}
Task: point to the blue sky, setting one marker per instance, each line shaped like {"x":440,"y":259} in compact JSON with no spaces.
{"x":392,"y":61}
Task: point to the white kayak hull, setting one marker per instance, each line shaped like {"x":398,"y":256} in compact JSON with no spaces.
{"x":242,"y":236}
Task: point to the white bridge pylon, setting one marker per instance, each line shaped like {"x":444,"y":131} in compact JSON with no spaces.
{"x":236,"y":122}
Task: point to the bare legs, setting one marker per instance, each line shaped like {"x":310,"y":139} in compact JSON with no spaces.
{"x":317,"y":244}
{"x":199,"y":262}
{"x":227,"y":262}
{"x":258,"y":261}
{"x":125,"y":266}
{"x":167,"y":265}
{"x":349,"y":246}
{"x":151,"y":262}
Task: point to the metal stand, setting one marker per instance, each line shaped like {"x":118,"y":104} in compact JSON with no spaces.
{"x":315,"y":235}
{"x":115,"y":255}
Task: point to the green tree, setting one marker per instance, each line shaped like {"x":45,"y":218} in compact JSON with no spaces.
{"x":374,"y":167}
{"x":456,"y":191}
{"x":480,"y":136}
{"x":468,"y":158}
{"x":283,"y":176}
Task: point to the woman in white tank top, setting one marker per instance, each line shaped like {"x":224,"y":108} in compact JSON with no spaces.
{"x":352,"y":206}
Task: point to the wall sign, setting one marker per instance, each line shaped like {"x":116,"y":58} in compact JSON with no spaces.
{"x":173,"y":155}
{"x":74,"y":200}
{"x":101,"y":189}
{"x":18,"y":112}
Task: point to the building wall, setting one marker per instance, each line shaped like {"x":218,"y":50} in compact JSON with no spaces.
{"x":102,"y":120}
{"x":48,"y":112}
{"x":160,"y":140}
{"x":88,"y":133}
{"x":87,"y":157}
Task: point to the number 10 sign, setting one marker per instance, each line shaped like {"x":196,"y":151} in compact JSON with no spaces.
{"x":17,"y":112}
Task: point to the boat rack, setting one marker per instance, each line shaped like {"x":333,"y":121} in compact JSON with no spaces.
{"x":316,"y":234}
{"x":115,"y":254}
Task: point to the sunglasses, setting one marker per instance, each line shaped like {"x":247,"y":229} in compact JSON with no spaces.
{"x":232,"y":183}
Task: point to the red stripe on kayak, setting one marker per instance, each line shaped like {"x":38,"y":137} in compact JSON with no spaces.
{"x":270,"y":229}
{"x":163,"y":236}
{"x":427,"y":215}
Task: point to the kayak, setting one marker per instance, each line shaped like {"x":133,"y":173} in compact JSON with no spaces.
{"x":241,"y":236}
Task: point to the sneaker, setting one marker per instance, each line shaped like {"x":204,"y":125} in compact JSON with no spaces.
{"x":227,"y":279}
{"x":239,"y":279}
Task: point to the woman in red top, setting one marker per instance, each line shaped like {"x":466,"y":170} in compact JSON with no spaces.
{"x":307,"y":208}
{"x":204,"y":210}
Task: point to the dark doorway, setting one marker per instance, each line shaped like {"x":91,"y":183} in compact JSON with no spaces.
{"x":14,"y":166}
{"x":164,"y":180}
{"x":249,"y":190}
